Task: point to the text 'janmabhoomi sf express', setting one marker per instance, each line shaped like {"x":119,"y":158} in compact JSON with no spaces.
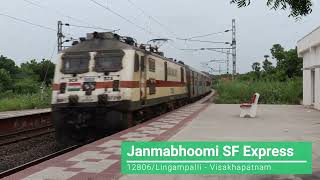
{"x":216,"y":151}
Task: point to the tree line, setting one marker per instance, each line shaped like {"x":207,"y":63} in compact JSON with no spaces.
{"x":28,"y":77}
{"x":288,"y":66}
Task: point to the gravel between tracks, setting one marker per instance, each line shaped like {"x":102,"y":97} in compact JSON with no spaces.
{"x":19,"y":153}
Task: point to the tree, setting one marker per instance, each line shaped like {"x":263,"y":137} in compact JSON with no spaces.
{"x":277,"y":52}
{"x":43,"y":71}
{"x":256,"y":68}
{"x":8,"y":65}
{"x":46,"y":72}
{"x":5,"y":80}
{"x":293,"y":64}
{"x":289,"y":65}
{"x":267,"y":66}
{"x":298,"y":8}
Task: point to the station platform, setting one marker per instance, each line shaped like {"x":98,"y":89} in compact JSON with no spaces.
{"x":14,"y":114}
{"x":201,"y":121}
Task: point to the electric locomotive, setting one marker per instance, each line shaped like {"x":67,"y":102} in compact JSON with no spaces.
{"x":106,"y":83}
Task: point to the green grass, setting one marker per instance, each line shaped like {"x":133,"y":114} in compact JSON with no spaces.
{"x":10,"y":101}
{"x":271,"y":92}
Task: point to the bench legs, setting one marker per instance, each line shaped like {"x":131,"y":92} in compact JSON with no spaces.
{"x":248,"y":112}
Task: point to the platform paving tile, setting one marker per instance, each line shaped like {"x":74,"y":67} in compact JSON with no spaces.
{"x":140,"y":139}
{"x":111,"y":143}
{"x":113,"y":150}
{"x":52,"y":173}
{"x":101,"y":159}
{"x":88,"y":155}
{"x":273,"y":123}
{"x":94,"y":167}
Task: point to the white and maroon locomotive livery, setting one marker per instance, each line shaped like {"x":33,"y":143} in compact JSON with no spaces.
{"x":106,"y":83}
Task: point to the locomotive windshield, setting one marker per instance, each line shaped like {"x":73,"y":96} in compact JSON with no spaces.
{"x":75,"y":63}
{"x":109,"y":61}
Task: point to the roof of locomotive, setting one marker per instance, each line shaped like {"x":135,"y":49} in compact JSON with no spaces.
{"x":103,"y":44}
{"x":97,"y":45}
{"x":111,"y":43}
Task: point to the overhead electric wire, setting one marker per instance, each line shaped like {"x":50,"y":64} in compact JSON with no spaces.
{"x":218,"y":61}
{"x":91,"y":27}
{"x":156,"y":21}
{"x":28,"y":22}
{"x":62,"y":14}
{"x":209,"y":49}
{"x":196,"y":40}
{"x":32,"y":23}
{"x":129,"y":21}
{"x":152,"y":18}
{"x":204,"y":35}
{"x":191,"y":39}
{"x":220,"y":51}
{"x":124,"y":18}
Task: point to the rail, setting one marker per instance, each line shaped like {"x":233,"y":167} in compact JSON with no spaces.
{"x":37,"y":161}
{"x":11,"y":138}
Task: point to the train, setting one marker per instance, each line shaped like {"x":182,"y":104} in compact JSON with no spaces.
{"x":105,"y":83}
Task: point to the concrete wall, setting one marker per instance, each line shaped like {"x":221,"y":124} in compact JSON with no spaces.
{"x":310,"y":40}
{"x":309,"y":50}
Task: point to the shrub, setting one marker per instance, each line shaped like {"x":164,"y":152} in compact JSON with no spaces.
{"x":26,"y":86}
{"x":271,"y":92}
{"x":25,"y":101}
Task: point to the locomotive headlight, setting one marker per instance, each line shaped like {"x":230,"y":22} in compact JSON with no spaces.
{"x":86,"y":87}
{"x":89,"y":86}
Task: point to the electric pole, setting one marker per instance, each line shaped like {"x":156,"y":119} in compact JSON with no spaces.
{"x":234,"y":48}
{"x":228,"y":61}
{"x":60,"y":36}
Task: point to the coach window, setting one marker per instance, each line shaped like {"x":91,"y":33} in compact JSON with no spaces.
{"x":165,"y":71}
{"x":136,"y":63}
{"x":152,"y":65}
{"x":142,"y":63}
{"x":182,"y":74}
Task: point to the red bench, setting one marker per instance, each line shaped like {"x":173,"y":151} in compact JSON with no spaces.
{"x":250,"y":109}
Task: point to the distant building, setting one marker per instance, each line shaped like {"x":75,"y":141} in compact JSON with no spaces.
{"x":309,"y":50}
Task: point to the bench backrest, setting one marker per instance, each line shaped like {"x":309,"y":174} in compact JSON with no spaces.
{"x":255,"y":98}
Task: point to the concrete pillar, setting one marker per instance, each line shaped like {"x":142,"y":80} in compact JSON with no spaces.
{"x":317,"y":89}
{"x":307,"y":87}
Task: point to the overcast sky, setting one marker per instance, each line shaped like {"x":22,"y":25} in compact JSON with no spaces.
{"x":258,"y":27}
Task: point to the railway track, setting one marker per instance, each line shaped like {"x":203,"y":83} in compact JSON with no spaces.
{"x":37,"y":161}
{"x":25,"y":134}
{"x":17,"y":126}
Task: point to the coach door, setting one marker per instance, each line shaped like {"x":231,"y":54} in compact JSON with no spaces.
{"x":143,"y":83}
{"x":193,"y":84}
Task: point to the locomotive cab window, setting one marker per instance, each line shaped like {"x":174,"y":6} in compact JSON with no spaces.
{"x":75,"y":63}
{"x":108,"y":61}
